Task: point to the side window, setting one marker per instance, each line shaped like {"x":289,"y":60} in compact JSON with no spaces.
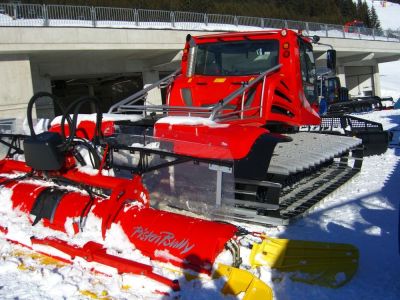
{"x":307,"y":65}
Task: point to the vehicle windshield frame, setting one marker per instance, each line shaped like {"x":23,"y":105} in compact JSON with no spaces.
{"x":236,"y":58}
{"x":308,"y":71}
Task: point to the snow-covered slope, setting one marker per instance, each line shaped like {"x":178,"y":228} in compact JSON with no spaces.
{"x":388,"y":13}
{"x":389,"y":16}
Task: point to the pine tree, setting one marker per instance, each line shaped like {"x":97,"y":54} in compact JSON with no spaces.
{"x":375,"y":20}
{"x":348,"y":10}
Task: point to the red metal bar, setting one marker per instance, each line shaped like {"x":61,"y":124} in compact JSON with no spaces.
{"x":94,"y":252}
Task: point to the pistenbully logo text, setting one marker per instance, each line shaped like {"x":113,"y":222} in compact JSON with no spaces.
{"x":164,"y":238}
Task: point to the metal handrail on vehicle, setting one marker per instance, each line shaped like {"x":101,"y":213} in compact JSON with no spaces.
{"x":142,"y":94}
{"x":213,"y":112}
{"x":242,"y":91}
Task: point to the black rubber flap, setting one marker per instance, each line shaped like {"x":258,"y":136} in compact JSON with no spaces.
{"x":375,"y":143}
{"x":42,"y":151}
{"x":46,"y":204}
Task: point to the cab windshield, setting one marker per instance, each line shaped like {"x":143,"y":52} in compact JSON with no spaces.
{"x":308,"y":73}
{"x":236,"y":58}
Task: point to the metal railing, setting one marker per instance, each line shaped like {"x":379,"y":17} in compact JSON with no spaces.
{"x":8,"y":125}
{"x":27,"y":15}
{"x":222,"y":110}
{"x":216,"y":111}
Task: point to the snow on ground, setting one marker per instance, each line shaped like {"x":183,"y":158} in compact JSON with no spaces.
{"x":363,"y":212}
{"x":390,"y":83}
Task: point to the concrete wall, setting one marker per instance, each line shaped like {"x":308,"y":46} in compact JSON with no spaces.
{"x":360,"y":80}
{"x":31,"y":57}
{"x":153,"y":96}
{"x":41,"y":83}
{"x":16,"y":85}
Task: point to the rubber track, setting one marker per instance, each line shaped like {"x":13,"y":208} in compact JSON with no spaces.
{"x":300,"y":191}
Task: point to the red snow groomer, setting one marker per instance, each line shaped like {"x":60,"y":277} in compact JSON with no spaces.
{"x":257,"y":92}
{"x":238,"y":138}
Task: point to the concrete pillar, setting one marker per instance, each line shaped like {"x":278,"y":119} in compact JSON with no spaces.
{"x":154,"y":96}
{"x":341,"y":75}
{"x":91,"y":93}
{"x":16,"y":86}
{"x":360,"y":80}
{"x":376,"y":80}
{"x":42,"y":83}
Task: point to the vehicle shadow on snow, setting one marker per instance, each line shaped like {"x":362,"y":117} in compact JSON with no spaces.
{"x":371,"y":223}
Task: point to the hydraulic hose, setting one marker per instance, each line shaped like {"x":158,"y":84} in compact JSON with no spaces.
{"x":32,"y":101}
{"x":76,"y":107}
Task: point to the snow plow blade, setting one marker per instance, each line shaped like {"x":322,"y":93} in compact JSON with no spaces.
{"x":326,"y":264}
{"x":242,"y":281}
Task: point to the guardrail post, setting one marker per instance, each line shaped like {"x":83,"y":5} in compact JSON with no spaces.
{"x":172,"y":15}
{"x":45,"y":15}
{"x":326,"y":30}
{"x":136,"y":17}
{"x":235,"y":21}
{"x":262,"y":23}
{"x":286,"y":24}
{"x":15,"y":13}
{"x":94,"y":19}
{"x":206,"y":19}
{"x":373,"y":33}
{"x":359,"y":32}
{"x":344,"y":32}
{"x":307,"y":29}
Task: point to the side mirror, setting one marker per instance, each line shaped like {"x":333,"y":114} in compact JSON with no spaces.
{"x":331,"y":59}
{"x":315,"y":39}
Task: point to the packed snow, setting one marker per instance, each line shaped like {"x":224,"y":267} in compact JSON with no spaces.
{"x":105,"y":117}
{"x":191,"y":121}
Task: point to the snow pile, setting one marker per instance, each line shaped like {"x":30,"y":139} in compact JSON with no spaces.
{"x":191,"y":121}
{"x":92,"y":118}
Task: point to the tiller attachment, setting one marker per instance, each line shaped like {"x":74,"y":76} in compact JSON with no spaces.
{"x":160,"y":235}
{"x":166,"y":237}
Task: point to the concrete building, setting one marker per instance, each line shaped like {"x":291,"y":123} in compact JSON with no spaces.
{"x":86,"y":60}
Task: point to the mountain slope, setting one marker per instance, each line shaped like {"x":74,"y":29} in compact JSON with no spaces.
{"x":389,"y":72}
